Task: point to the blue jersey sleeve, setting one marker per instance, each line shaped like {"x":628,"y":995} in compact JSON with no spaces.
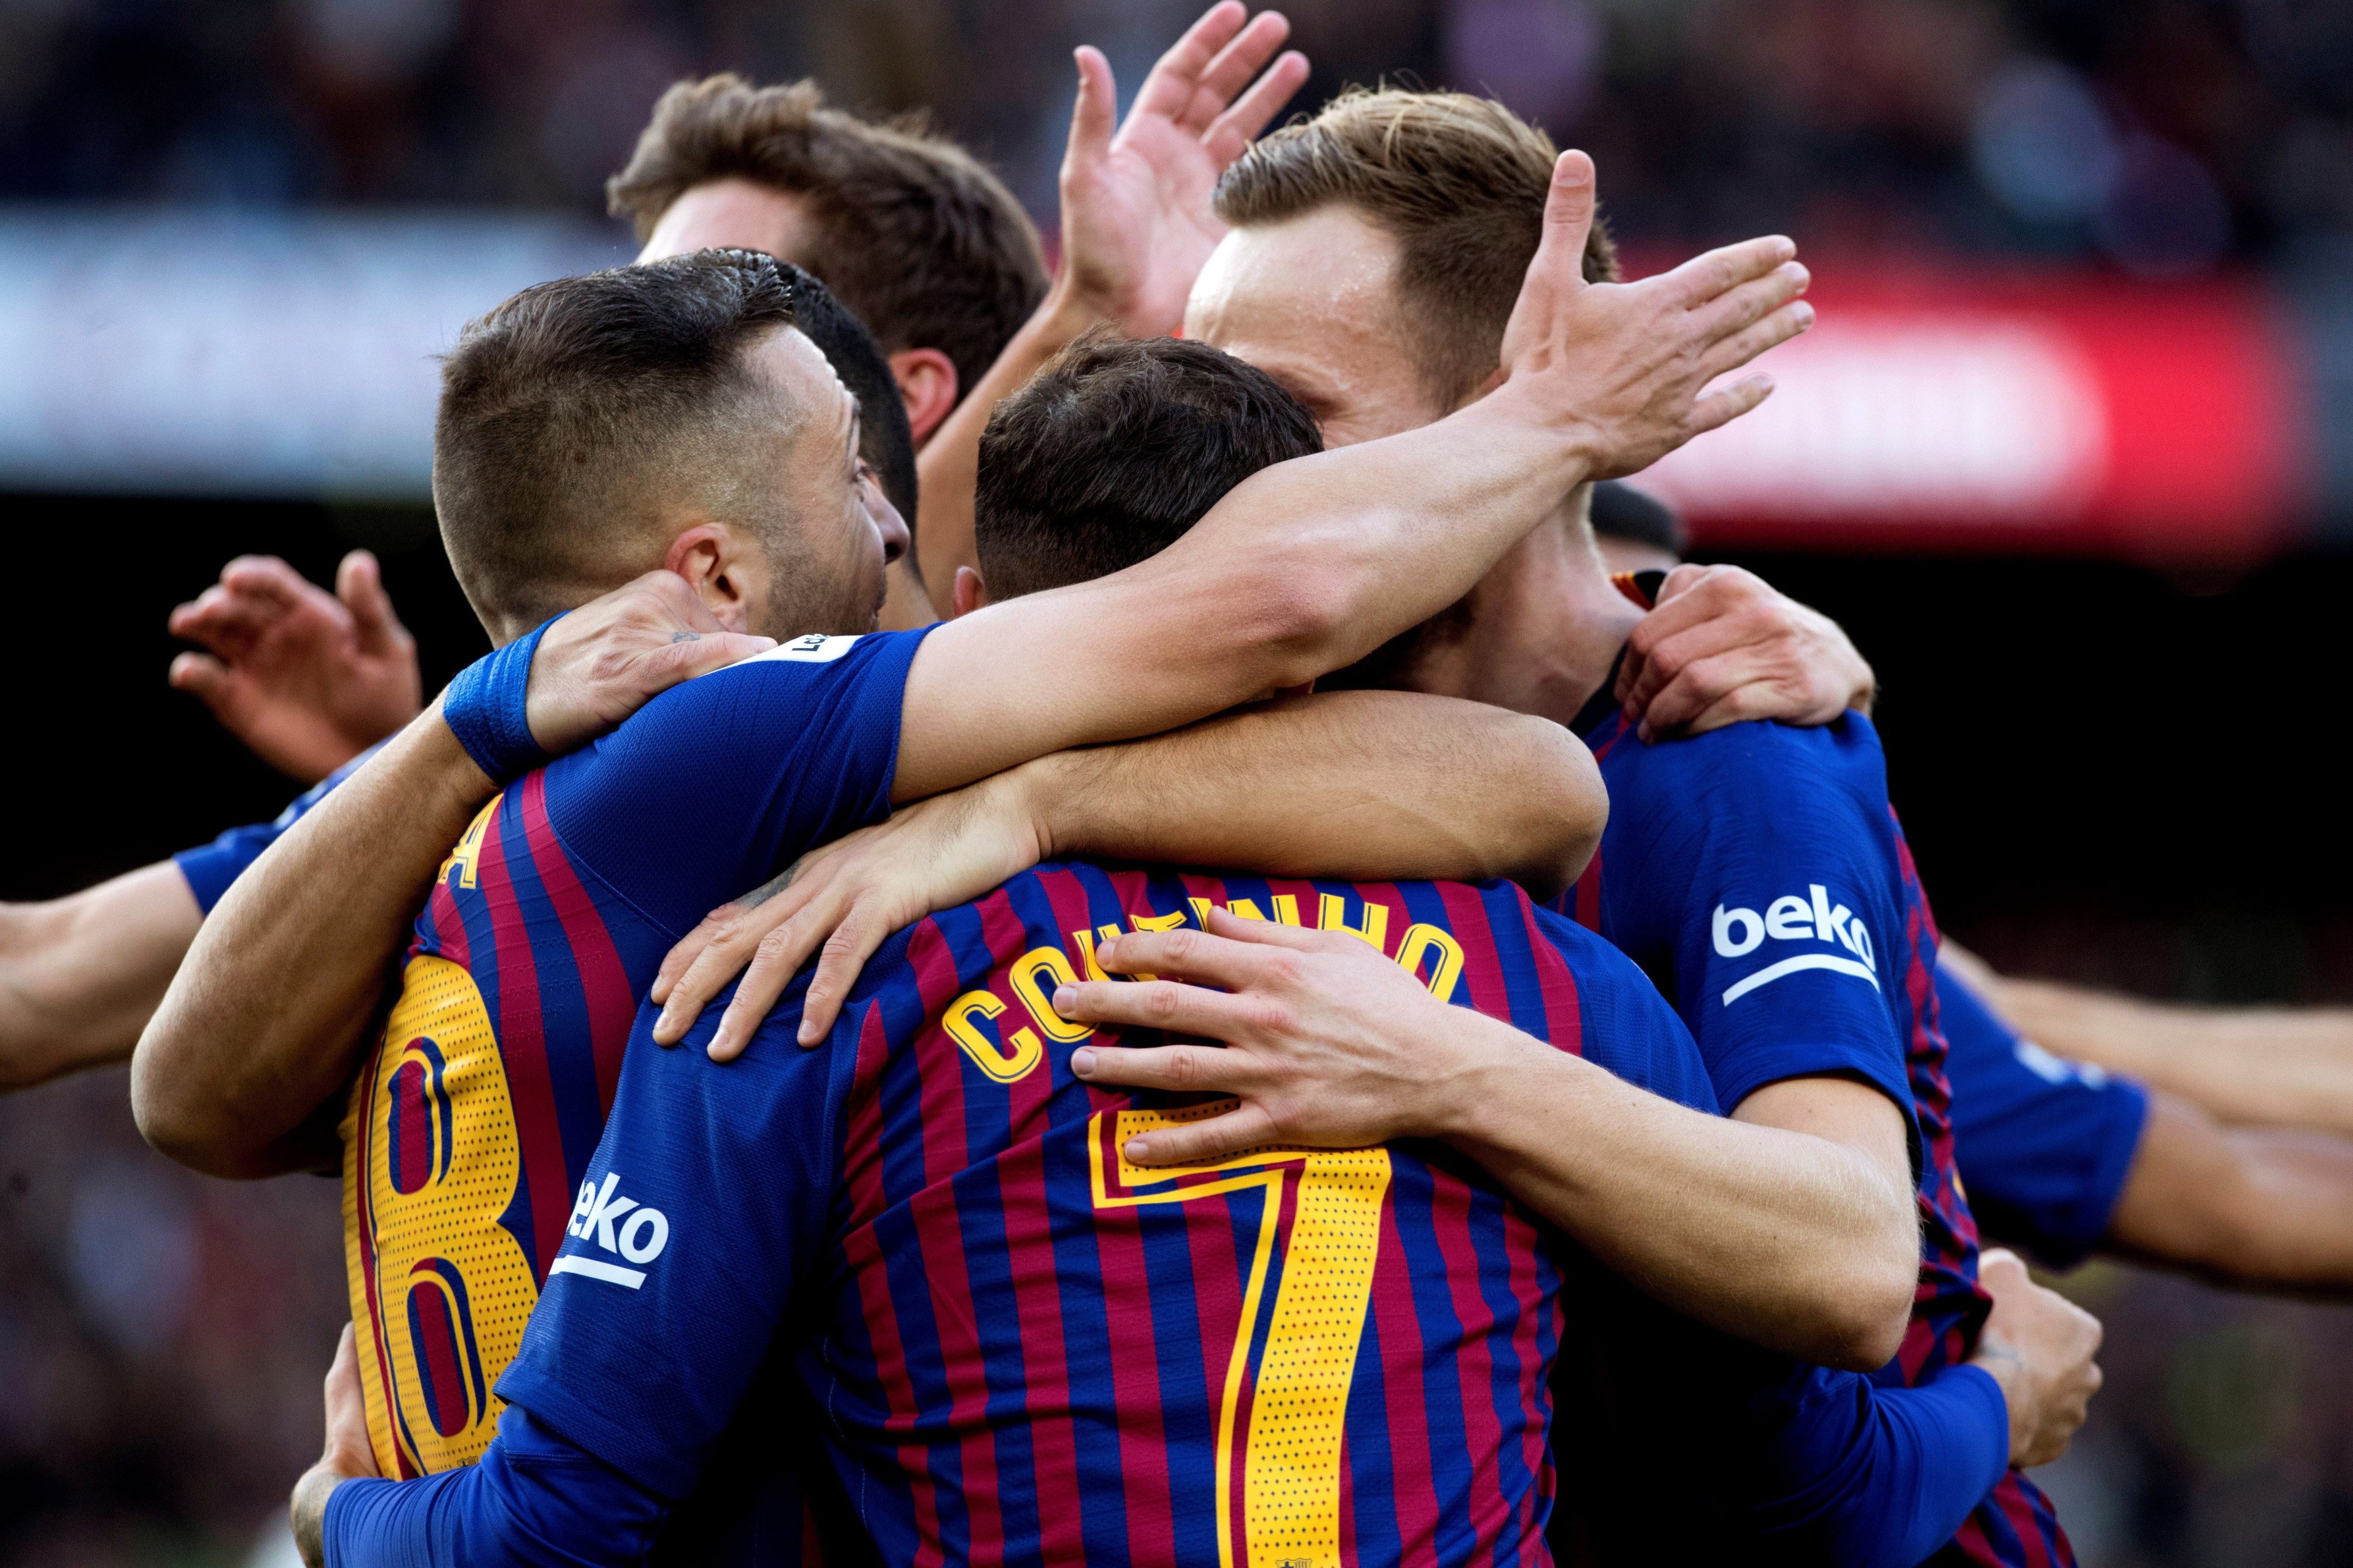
{"x":708,"y":1199}
{"x":211,"y":867}
{"x":1753,"y":871}
{"x":2045,"y":1144}
{"x":1624,"y":1026}
{"x":717,"y":783}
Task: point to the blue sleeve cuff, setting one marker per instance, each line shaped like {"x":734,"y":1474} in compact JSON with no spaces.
{"x":485,"y":709}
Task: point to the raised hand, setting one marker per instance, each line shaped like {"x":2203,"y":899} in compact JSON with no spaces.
{"x":1724,"y":645}
{"x":1137,"y":224}
{"x":308,"y":679}
{"x":849,"y":895}
{"x":1622,"y":368}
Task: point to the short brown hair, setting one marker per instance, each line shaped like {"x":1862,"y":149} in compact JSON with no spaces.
{"x":911,"y":233}
{"x":572,"y":411}
{"x":1458,"y":181}
{"x":1114,"y":449}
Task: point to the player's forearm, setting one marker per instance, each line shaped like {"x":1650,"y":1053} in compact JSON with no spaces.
{"x":264,"y":1021}
{"x":1359,"y":545}
{"x":2264,"y":1066}
{"x":1785,"y":1240}
{"x":80,"y":975}
{"x":1365,"y":785}
{"x":948,"y":468}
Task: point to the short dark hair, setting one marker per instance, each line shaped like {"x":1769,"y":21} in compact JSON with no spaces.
{"x":1115,"y":449}
{"x":912,"y":231}
{"x":1619,"y":510}
{"x":572,"y":411}
{"x":885,"y":439}
{"x":1458,"y":181}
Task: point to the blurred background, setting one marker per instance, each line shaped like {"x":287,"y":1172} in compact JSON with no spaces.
{"x":2071,"y":455}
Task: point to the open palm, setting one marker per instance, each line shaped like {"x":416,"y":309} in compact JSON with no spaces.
{"x":1137,"y":223}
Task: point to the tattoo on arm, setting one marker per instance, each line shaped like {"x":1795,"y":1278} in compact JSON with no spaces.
{"x":686,"y":637}
{"x":772,"y":886}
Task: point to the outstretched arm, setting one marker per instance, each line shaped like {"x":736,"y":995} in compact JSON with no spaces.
{"x":1361,"y":786}
{"x":1774,"y":1236}
{"x":1309,"y":564}
{"x":238,"y":1057}
{"x":2264,"y":1067}
{"x":1137,"y":227}
{"x":79,"y":976}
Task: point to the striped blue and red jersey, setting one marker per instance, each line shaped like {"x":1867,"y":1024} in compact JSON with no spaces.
{"x":471,"y":1123}
{"x":1027,"y":1348}
{"x":1759,"y":875}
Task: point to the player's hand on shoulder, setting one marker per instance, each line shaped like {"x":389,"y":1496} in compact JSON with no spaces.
{"x":848,"y":898}
{"x":306,"y":679}
{"x":1620,"y":368}
{"x":2039,"y":1346}
{"x":1724,"y":646}
{"x":602,"y":662}
{"x":1327,"y":1043}
{"x":1137,"y":223}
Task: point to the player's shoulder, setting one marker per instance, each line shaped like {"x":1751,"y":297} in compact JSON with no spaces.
{"x":1764,"y":752}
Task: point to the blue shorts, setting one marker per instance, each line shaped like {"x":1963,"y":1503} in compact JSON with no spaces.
{"x":2045,"y":1144}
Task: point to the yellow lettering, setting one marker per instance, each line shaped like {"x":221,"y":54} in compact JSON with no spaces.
{"x":1040,"y":999}
{"x":469,"y":847}
{"x":1286,"y":910}
{"x":1086,"y":941}
{"x":1332,"y":914}
{"x":1420,"y":943}
{"x":1008,"y":1063}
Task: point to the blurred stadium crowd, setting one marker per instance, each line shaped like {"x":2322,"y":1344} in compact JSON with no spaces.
{"x":2167,"y":137}
{"x":161,"y":1336}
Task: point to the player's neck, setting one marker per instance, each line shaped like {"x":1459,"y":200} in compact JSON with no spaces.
{"x":1544,"y":630}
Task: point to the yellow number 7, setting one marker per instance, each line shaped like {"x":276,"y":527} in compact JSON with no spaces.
{"x":1291,"y":1465}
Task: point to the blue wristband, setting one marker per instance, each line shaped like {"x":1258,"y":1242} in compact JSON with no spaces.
{"x":485,"y":709}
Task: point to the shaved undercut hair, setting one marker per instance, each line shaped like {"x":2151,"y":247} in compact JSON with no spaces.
{"x":574,"y":413}
{"x":1458,"y":182}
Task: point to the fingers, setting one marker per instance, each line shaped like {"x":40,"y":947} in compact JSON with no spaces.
{"x":1205,"y":1142}
{"x":699,"y":653}
{"x":1567,"y":221}
{"x":733,"y":943}
{"x":1721,"y":407}
{"x":1170,"y":86}
{"x":1759,"y":698}
{"x":1186,"y":955}
{"x":267,"y":581}
{"x":1716,"y":272}
{"x":775,"y":962}
{"x":1153,"y":1005}
{"x":678,"y":959}
{"x":1176,"y":1068}
{"x":1231,"y":71}
{"x":1732,"y":352}
{"x":1752,"y":301}
{"x":202,"y":676}
{"x":1094,"y":117}
{"x":838,"y":968}
{"x":1230,"y":134}
{"x":359,"y":584}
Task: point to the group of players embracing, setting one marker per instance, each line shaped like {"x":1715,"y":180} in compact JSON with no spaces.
{"x":1542,"y":1132}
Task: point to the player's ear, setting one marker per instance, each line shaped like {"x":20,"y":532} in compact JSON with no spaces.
{"x":723,"y":573}
{"x":970,"y":592}
{"x":927,"y":385}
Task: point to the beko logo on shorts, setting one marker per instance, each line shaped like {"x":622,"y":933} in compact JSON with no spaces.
{"x":1739,"y":932}
{"x":598,"y":1215}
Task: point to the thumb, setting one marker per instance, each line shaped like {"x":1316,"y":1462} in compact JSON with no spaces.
{"x":693,"y":656}
{"x":359,"y":584}
{"x":1556,"y":272}
{"x":1093,"y":117}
